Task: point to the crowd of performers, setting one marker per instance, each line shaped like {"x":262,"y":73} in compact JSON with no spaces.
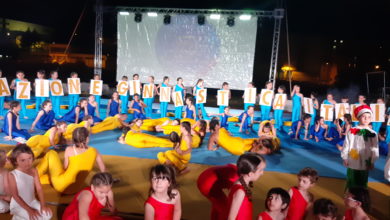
{"x":358,"y":146}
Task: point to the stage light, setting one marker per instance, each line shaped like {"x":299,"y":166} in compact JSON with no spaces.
{"x":124,"y":13}
{"x":152,"y":14}
{"x":230,"y":21}
{"x":245,"y":17}
{"x":201,"y":19}
{"x":215,"y":16}
{"x":167,"y":19}
{"x":138,"y":17}
{"x":377,"y":67}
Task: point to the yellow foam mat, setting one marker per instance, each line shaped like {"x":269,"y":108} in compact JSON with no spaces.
{"x":132,"y":190}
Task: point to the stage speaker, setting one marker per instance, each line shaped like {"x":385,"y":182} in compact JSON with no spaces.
{"x":230,"y":21}
{"x":138,"y":17}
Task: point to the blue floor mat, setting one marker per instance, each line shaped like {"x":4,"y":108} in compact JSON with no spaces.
{"x":294,"y":154}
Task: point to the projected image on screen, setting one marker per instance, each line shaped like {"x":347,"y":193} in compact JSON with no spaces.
{"x":214,"y":51}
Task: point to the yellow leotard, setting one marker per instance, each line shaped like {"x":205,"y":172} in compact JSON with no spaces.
{"x":168,"y":129}
{"x":71,"y":127}
{"x":150,"y":124}
{"x":179,"y":161}
{"x":142,"y":140}
{"x":71,"y":180}
{"x":39,"y":143}
{"x":110,"y":123}
{"x":234,"y":145}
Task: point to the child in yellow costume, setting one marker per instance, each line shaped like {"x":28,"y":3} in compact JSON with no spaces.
{"x":151,"y":124}
{"x":173,"y":127}
{"x":86,"y":123}
{"x":137,"y":139}
{"x":181,"y":154}
{"x":111,"y":123}
{"x":52,"y":137}
{"x":79,"y":159}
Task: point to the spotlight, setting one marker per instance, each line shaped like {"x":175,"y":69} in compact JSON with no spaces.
{"x":124,"y":13}
{"x":245,"y":17}
{"x":138,"y":17}
{"x":167,"y":19}
{"x":230,"y":21}
{"x":201,"y":19}
{"x":215,"y":16}
{"x":152,"y":14}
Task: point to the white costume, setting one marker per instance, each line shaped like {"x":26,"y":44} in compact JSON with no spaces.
{"x":4,"y":206}
{"x":26,"y":191}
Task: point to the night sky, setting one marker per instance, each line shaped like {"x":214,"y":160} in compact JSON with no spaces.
{"x":313,"y":25}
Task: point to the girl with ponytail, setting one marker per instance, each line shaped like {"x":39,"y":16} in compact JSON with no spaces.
{"x":250,"y":167}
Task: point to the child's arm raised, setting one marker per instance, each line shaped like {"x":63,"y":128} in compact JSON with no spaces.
{"x":38,"y":189}
{"x":32,"y":213}
{"x":238,"y":198}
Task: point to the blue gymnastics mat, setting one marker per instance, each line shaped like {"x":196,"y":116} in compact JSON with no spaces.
{"x":294,"y":154}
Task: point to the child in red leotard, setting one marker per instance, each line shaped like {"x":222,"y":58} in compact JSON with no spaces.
{"x":276,"y":203}
{"x":164,"y":198}
{"x":211,"y":183}
{"x":250,"y":167}
{"x":357,"y":202}
{"x":301,"y":198}
{"x":89,"y":202}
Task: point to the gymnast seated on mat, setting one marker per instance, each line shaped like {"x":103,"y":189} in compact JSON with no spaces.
{"x":224,"y":116}
{"x":11,"y":126}
{"x":137,"y":106}
{"x":89,"y":202}
{"x":344,"y":129}
{"x":77,"y":113}
{"x":134,"y":137}
{"x":114,"y":105}
{"x":267,"y":129}
{"x":180,"y":156}
{"x":87,"y":122}
{"x":246,"y":120}
{"x":301,"y":129}
{"x":93,"y":109}
{"x":190,"y":110}
{"x":68,"y":177}
{"x":220,"y":137}
{"x":45,"y":117}
{"x":319,"y":130}
{"x":54,"y":136}
{"x":111,"y":123}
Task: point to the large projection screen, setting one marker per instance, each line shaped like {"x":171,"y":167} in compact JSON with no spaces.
{"x":214,"y":51}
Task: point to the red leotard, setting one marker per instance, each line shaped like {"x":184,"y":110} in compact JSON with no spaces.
{"x":297,"y":207}
{"x":265,"y":216}
{"x":162,"y":211}
{"x":245,"y":211}
{"x":348,"y":214}
{"x":94,"y":210}
{"x":211,"y":184}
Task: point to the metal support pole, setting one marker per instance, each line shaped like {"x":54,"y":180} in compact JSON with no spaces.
{"x":278,"y":16}
{"x":368,"y":87}
{"x":98,"y":37}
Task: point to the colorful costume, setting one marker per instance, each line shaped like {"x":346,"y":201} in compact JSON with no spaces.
{"x":70,"y":116}
{"x":278,"y":116}
{"x":38,"y":103}
{"x":26,"y":190}
{"x":360,"y":150}
{"x":71,"y":180}
{"x":68,"y":134}
{"x":265,"y":216}
{"x":91,"y":112}
{"x":150,"y":124}
{"x":297,"y":108}
{"x":179,"y":161}
{"x":162,"y":211}
{"x":142,"y":140}
{"x":39,"y":143}
{"x":163,"y":105}
{"x":113,"y":109}
{"x":189,"y":113}
{"x":94,"y":210}
{"x":149,"y":105}
{"x":15,"y":131}
{"x":2,"y":99}
{"x":376,"y":126}
{"x":297,"y":207}
{"x":200,"y":106}
{"x":125,"y":101}
{"x":234,"y":145}
{"x":139,"y":114}
{"x":320,"y":134}
{"x":97,"y":99}
{"x":109,"y":123}
{"x":73,"y":100}
{"x":56,"y":101}
{"x":245,"y":211}
{"x":211,"y":183}
{"x":179,"y":109}
{"x":22,"y":101}
{"x":46,"y":121}
{"x":348,"y":214}
{"x":224,"y":121}
{"x":314,"y":115}
{"x":265,"y":111}
{"x":247,"y":123}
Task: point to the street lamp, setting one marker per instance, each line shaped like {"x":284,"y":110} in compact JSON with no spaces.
{"x":288,"y":69}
